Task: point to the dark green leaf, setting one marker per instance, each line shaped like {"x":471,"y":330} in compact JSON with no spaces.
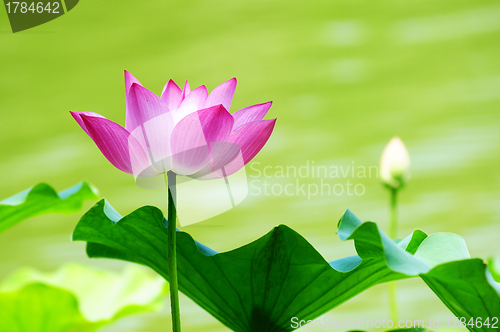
{"x":262,"y":285}
{"x":464,"y":285}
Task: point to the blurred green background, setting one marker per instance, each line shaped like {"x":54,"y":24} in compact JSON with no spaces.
{"x":345,"y":76}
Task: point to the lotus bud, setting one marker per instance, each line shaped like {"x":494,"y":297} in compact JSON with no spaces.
{"x":395,"y":164}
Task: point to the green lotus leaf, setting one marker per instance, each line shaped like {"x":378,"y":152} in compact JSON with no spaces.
{"x":261,"y":286}
{"x":36,"y":306}
{"x":442,"y":260}
{"x":43,"y":199}
{"x":494,"y":268}
{"x":75,"y":298}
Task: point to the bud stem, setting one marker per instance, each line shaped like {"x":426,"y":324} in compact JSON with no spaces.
{"x":393,"y":231}
{"x":171,"y":250}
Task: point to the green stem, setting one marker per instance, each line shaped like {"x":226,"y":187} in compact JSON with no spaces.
{"x":171,"y":251}
{"x":393,"y":231}
{"x":393,"y":303}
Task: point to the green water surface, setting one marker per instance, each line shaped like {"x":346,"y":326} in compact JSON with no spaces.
{"x":344,"y":76}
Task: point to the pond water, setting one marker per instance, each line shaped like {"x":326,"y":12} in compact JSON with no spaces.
{"x":344,"y":77}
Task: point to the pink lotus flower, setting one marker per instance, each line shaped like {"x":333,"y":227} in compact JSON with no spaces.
{"x":188,"y":132}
